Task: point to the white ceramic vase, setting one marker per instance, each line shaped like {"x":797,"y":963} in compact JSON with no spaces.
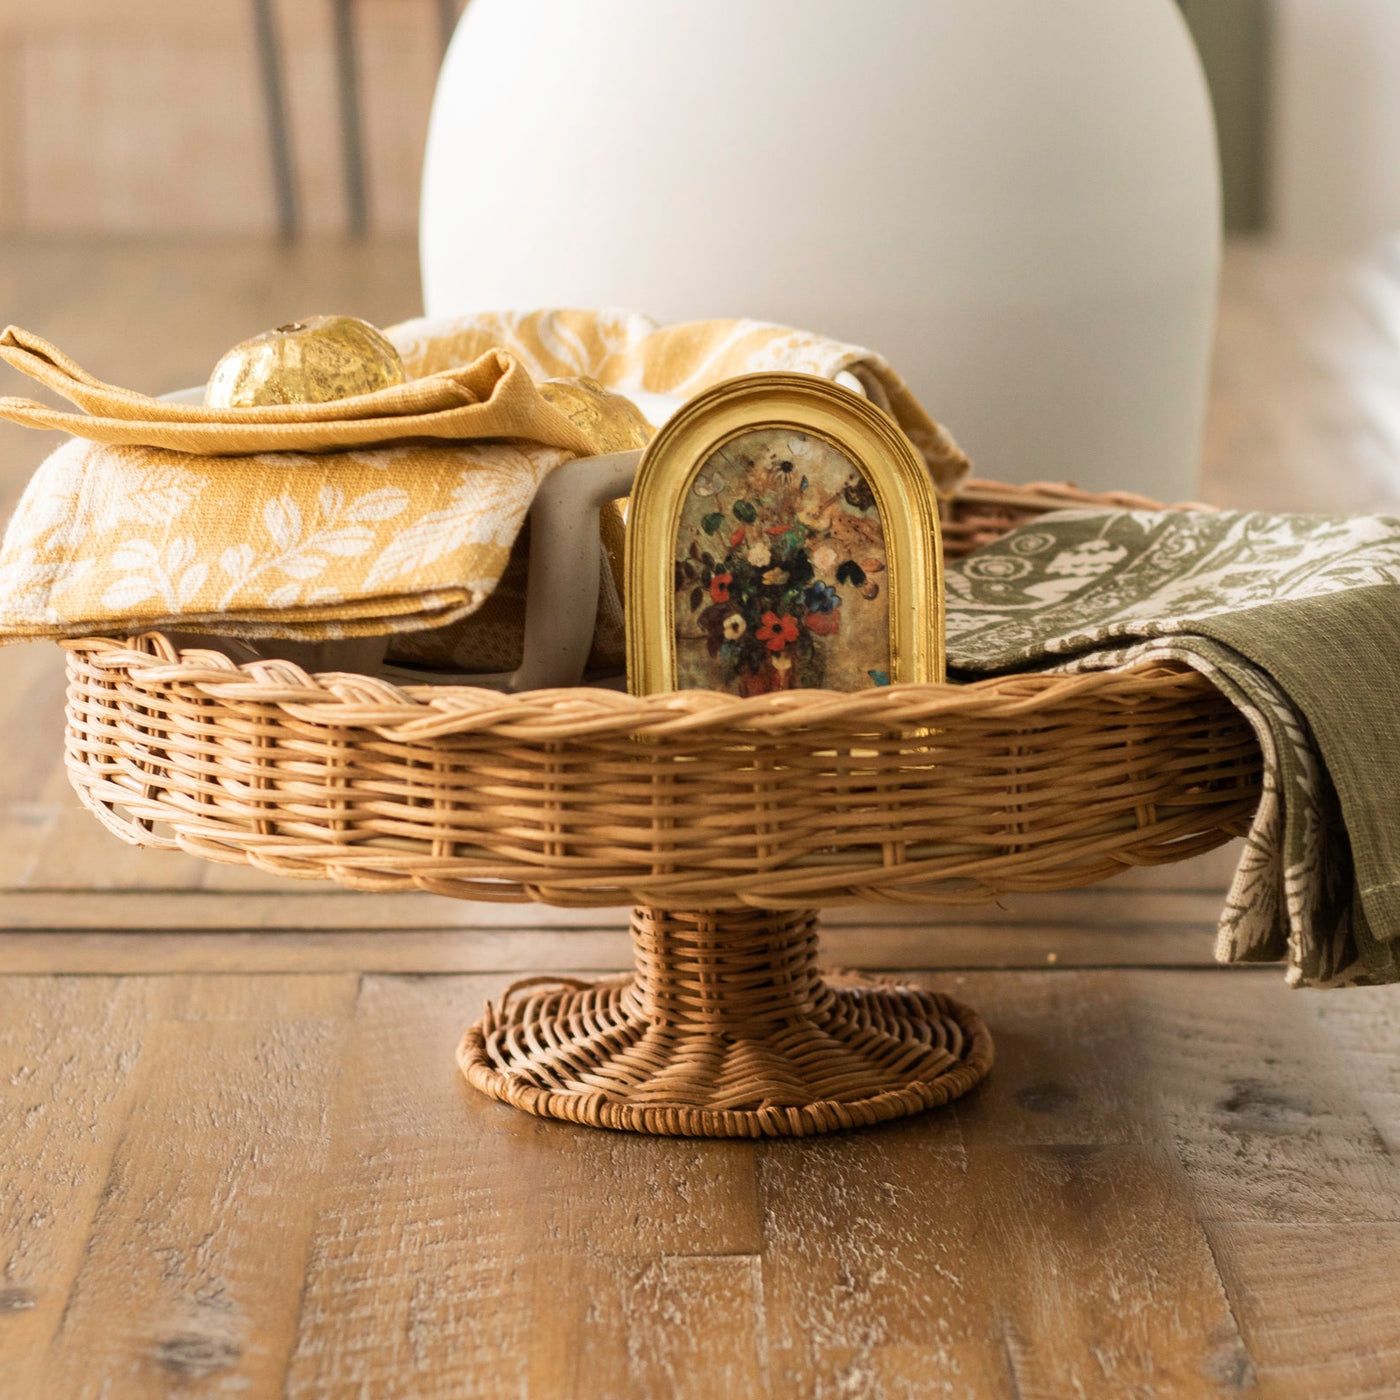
{"x":1015,"y":201}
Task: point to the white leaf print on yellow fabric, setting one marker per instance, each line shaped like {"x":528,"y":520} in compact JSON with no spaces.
{"x":343,"y":531}
{"x":237,"y":561}
{"x":127,"y":490}
{"x":282,"y":517}
{"x":473,"y":515}
{"x":174,"y":575}
{"x":129,"y":592}
{"x":31,"y":582}
{"x":285,"y":596}
{"x":39,"y":513}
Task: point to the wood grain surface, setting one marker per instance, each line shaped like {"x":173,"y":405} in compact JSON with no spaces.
{"x":277,"y":1185}
{"x":236,"y":1158}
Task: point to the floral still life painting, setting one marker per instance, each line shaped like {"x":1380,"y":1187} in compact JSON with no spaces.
{"x":780,"y":570}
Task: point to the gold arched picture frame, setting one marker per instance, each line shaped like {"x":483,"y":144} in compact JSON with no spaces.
{"x":782,"y":534}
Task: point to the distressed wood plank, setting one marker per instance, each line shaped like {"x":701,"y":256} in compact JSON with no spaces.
{"x":31,"y":722}
{"x":1039,"y":1242}
{"x":80,"y":850}
{"x":1318,"y":1305}
{"x":544,"y":949}
{"x":264,"y":1148}
{"x":684,"y":1326}
{"x":447,"y":1209}
{"x":73,"y":1054}
{"x":1104,"y":1281}
{"x":871,"y":1271}
{"x":1066,"y":1049}
{"x":319,"y":998}
{"x":195,"y":1261}
{"x":1261,"y":1110}
{"x":26,"y":831}
{"x":1364,"y":1028}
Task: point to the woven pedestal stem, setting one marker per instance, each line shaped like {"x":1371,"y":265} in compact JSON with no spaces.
{"x":726,"y":1029}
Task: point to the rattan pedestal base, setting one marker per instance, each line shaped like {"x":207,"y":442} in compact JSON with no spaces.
{"x":725,"y":1030}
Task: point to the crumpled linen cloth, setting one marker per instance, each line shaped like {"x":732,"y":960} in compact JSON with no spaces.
{"x":1297,"y":620}
{"x":391,"y":512}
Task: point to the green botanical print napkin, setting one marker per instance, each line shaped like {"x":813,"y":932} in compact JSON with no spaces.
{"x":1297,"y":620}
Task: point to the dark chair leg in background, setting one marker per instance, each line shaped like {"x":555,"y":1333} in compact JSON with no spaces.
{"x":448,"y":10}
{"x":278,"y":132}
{"x":351,"y":118}
{"x":352,"y":136}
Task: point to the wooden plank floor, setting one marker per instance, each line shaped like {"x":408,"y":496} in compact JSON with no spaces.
{"x":236,"y":1158}
{"x":1176,"y":1183}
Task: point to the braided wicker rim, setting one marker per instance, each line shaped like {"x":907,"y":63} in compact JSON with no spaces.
{"x":583,"y":797}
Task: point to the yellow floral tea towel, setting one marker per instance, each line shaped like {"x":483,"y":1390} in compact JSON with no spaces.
{"x":388,"y":513}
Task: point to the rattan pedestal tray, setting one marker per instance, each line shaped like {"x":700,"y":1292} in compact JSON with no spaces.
{"x":726,"y":821}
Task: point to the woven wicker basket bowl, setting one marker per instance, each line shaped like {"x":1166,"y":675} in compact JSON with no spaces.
{"x":725,"y":821}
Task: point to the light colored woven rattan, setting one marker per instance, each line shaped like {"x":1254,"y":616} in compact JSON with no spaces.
{"x":752,"y":811}
{"x":937,"y":793}
{"x":725,"y":1030}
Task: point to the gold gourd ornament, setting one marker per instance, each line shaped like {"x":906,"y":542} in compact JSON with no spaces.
{"x":311,"y":361}
{"x":614,"y":423}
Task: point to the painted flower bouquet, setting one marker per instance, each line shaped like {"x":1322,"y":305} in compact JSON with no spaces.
{"x":775,"y":569}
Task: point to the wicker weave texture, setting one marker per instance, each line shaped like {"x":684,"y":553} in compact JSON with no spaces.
{"x":947,"y":794}
{"x":726,"y":1030}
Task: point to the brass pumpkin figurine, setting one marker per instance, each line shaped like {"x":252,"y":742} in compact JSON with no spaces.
{"x":311,"y":361}
{"x":614,"y":422}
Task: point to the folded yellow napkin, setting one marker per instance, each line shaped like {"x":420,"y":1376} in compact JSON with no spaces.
{"x":492,"y":396}
{"x":630,"y":354}
{"x":391,"y":512}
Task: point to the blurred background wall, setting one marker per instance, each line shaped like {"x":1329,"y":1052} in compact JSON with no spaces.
{"x":1336,"y":110}
{"x":308,"y":116}
{"x":193,"y":116}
